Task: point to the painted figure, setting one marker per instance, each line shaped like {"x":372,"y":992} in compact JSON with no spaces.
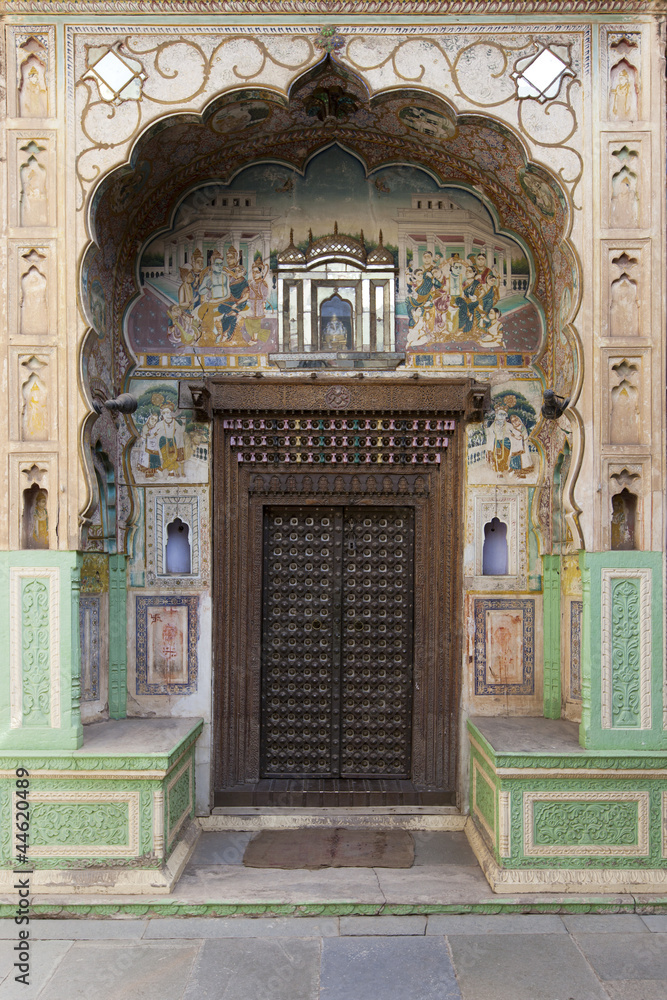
{"x":171,"y":441}
{"x":623,"y":93}
{"x":497,"y":442}
{"x":34,"y":410}
{"x":39,"y":522}
{"x":149,"y":456}
{"x":335,"y":334}
{"x":624,"y":200}
{"x":520,"y":461}
{"x":33,"y":100}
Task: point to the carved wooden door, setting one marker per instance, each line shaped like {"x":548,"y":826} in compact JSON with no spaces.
{"x":337,"y":642}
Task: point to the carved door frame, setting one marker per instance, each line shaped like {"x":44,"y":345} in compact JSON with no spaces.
{"x":241,"y":489}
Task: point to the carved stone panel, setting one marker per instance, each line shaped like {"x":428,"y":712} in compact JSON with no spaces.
{"x":32,"y":380}
{"x":625,"y":311}
{"x":624,"y":91}
{"x":626,"y":179}
{"x":30,"y":76}
{"x":626,"y":649}
{"x":626,"y":410}
{"x":32,"y":180}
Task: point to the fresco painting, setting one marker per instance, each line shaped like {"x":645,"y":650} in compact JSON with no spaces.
{"x":500,"y":449}
{"x":170,"y":446}
{"x":208,"y":286}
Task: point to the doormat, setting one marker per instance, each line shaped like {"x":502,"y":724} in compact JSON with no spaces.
{"x":325,"y":848}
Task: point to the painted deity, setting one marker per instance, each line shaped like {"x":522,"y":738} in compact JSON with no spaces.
{"x":171,"y":441}
{"x":33,"y":98}
{"x":503,"y":444}
{"x":623,"y":93}
{"x":37,"y":520}
{"x":34,"y":410}
{"x":149,"y":455}
{"x":624,"y":199}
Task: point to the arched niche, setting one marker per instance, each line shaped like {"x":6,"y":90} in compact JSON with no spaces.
{"x":178,"y":550}
{"x":495,"y":551}
{"x":139,"y":201}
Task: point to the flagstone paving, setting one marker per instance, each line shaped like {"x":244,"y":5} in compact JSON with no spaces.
{"x":436,"y":957}
{"x":515,"y":955}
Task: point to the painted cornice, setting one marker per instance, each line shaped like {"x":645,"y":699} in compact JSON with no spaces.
{"x":355,"y":8}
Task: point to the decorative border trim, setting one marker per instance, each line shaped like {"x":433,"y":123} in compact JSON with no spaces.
{"x":640,"y":849}
{"x":172,"y":834}
{"x":476,"y":769}
{"x":568,"y":880}
{"x":90,"y":625}
{"x":141,"y":624}
{"x":483,"y":604}
{"x":664,"y":824}
{"x":16,"y":575}
{"x":509,"y":505}
{"x":158,"y":822}
{"x":190,"y":503}
{"x":326,"y":8}
{"x":645,"y":579}
{"x":131,"y":849}
{"x":504,"y":823}
{"x":576,"y":621}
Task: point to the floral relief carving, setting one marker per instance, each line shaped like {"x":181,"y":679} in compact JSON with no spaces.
{"x":36,"y":646}
{"x":626,"y":649}
{"x":582,"y":824}
{"x":179,"y":798}
{"x":626,"y":654}
{"x":585,"y":824}
{"x":83,"y":824}
{"x":104,"y":825}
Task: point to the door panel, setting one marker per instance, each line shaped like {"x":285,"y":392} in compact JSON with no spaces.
{"x":301,"y":641}
{"x":376,"y":695}
{"x":337,"y":642}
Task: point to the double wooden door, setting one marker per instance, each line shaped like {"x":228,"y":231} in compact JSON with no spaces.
{"x":337,"y":642}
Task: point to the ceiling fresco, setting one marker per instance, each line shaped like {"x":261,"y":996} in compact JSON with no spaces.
{"x":390,"y":136}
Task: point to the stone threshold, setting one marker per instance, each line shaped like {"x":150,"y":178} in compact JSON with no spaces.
{"x":255,"y":818}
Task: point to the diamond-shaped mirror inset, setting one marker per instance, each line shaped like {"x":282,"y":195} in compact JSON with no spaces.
{"x":114,"y":72}
{"x":540,"y":77}
{"x":118,"y":79}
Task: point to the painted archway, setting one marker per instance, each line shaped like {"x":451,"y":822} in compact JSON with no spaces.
{"x":329,"y":106}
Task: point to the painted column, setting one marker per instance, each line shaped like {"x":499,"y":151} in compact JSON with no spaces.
{"x":39,"y":623}
{"x":117,"y":637}
{"x":551,"y":661}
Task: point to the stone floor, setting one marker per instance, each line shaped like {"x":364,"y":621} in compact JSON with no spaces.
{"x":505,"y":957}
{"x":445,"y":875}
{"x":439,"y":956}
